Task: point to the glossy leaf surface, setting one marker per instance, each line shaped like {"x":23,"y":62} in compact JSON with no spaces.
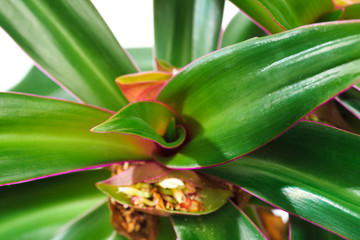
{"x":37,"y":210}
{"x":240,"y":29}
{"x":40,"y":136}
{"x":148,"y":120}
{"x":71,"y":42}
{"x":143,"y":57}
{"x":36,"y":82}
{"x":95,"y":224}
{"x":240,"y":97}
{"x":277,"y":16}
{"x":311,"y":171}
{"x":186,"y":29}
{"x":227,"y":223}
{"x":302,"y":230}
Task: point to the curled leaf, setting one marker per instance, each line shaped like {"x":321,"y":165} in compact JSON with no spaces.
{"x":142,"y":86}
{"x":149,"y":120}
{"x":153,"y":189}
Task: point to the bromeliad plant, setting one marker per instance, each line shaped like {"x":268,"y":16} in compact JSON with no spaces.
{"x":179,"y":141}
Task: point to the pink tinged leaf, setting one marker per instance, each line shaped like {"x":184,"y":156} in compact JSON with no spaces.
{"x":142,"y":86}
{"x":212,"y":193}
{"x":343,"y":3}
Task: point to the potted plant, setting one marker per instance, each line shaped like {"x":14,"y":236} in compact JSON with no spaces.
{"x":202,"y":146}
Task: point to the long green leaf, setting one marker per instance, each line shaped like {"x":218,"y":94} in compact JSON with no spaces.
{"x":277,"y":16}
{"x":38,"y":209}
{"x":240,"y":29}
{"x":186,"y":29}
{"x":226,"y":223}
{"x":302,"y":230}
{"x":36,"y":82}
{"x":95,"y":225}
{"x":311,"y":171}
{"x":71,"y":42}
{"x":41,"y":136}
{"x":240,"y":97}
{"x":143,"y":58}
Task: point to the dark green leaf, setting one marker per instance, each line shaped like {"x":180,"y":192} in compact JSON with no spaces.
{"x":186,"y":29}
{"x":331,"y":16}
{"x":72,"y":43}
{"x":41,"y":136}
{"x":311,"y":171}
{"x":148,"y":120}
{"x":238,"y":98}
{"x":277,"y":16}
{"x":302,"y":230}
{"x":38,"y":209}
{"x":351,"y":101}
{"x":143,"y":58}
{"x":166,"y":230}
{"x":36,"y":82}
{"x":226,"y":223}
{"x":240,"y":29}
{"x":95,"y":224}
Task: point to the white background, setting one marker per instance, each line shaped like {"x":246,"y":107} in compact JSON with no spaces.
{"x":130,"y":21}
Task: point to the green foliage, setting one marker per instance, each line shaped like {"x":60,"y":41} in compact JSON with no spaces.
{"x":232,"y":104}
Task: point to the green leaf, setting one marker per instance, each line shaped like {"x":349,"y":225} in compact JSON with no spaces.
{"x":311,"y":171}
{"x":240,"y":29}
{"x":277,"y":16}
{"x":149,"y":120}
{"x":351,"y":101}
{"x":41,"y":136}
{"x":143,"y":58}
{"x":351,"y":12}
{"x":302,"y":230}
{"x":38,"y":209}
{"x":186,"y":29}
{"x":331,"y":16}
{"x":36,"y":82}
{"x":228,"y":222}
{"x":240,"y":97}
{"x":95,"y":224}
{"x":166,"y":230}
{"x":71,"y":42}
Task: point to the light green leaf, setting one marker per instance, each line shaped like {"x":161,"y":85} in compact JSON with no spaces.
{"x":41,"y":136}
{"x":186,"y":29}
{"x":95,"y":224}
{"x":38,"y":209}
{"x":36,"y":82}
{"x":240,"y":29}
{"x":302,"y":230}
{"x":149,"y":120}
{"x":311,"y":171}
{"x":143,"y":58}
{"x":227,"y":223}
{"x":277,"y":16}
{"x":72,"y":43}
{"x":240,"y":97}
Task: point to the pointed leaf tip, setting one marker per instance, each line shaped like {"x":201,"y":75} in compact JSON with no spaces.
{"x":149,"y":120}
